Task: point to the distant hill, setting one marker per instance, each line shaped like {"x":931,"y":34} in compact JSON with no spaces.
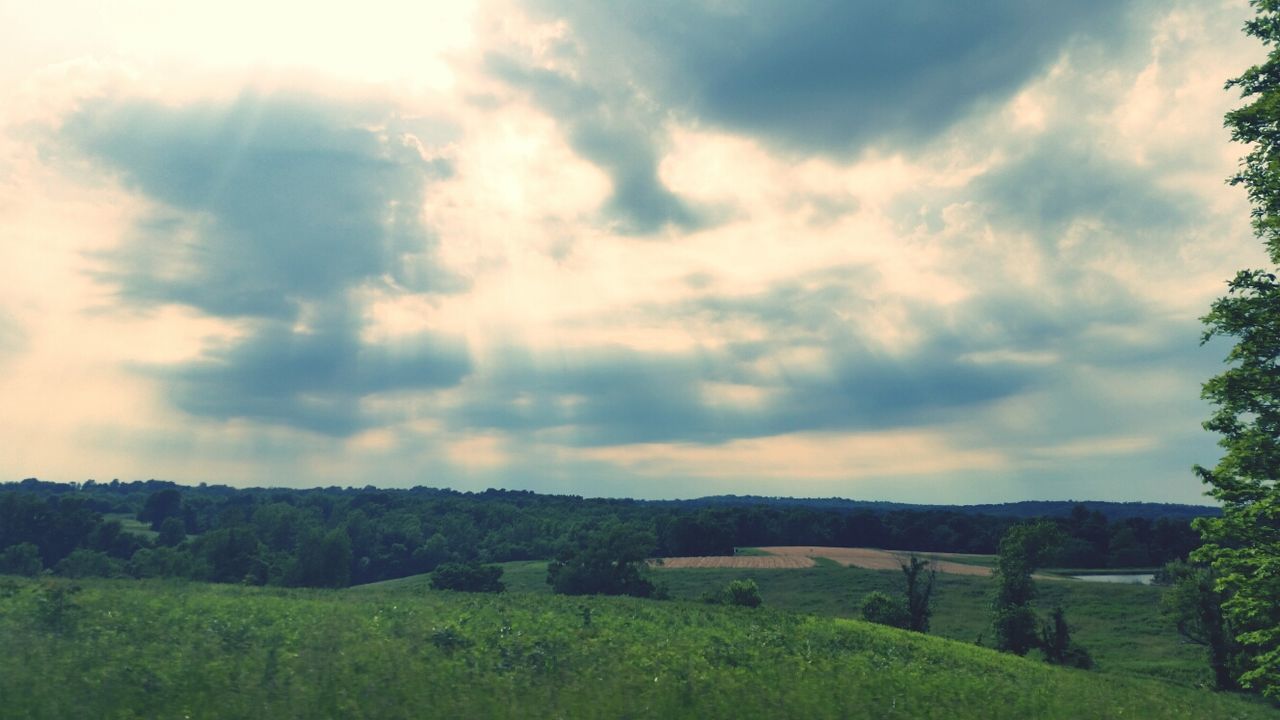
{"x":1113,"y":511}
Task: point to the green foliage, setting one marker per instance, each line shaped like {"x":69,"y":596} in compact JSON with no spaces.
{"x":1243,"y":546}
{"x":87,"y":563}
{"x":468,"y":577}
{"x":161,"y":505}
{"x":878,"y":607}
{"x":21,"y":559}
{"x":1056,"y":642}
{"x":155,"y":649}
{"x":919,"y":593}
{"x":1194,"y":603}
{"x":172,"y":532}
{"x":744,"y":593}
{"x":607,"y":561}
{"x":1022,"y":549}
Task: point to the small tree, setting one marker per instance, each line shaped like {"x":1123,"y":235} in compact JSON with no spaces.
{"x":919,"y":593}
{"x":1022,"y":549}
{"x":1058,"y":647}
{"x":468,"y":577}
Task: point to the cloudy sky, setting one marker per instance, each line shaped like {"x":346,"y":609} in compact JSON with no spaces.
{"x":926,"y":252}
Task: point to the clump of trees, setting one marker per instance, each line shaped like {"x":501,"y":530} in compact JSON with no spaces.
{"x":610,"y":560}
{"x":913,"y":610}
{"x":1241,"y":549}
{"x":1016,"y":625}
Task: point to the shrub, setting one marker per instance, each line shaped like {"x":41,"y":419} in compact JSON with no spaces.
{"x":743,"y":592}
{"x":21,"y":559}
{"x":880,"y":608}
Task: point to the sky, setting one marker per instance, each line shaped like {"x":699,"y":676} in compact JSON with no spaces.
{"x":925,"y":252}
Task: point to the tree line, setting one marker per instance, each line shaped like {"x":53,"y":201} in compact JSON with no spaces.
{"x":333,"y":537}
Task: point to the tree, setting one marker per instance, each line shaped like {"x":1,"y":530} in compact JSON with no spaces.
{"x":1242,"y":547}
{"x":161,"y":504}
{"x":1194,"y":603}
{"x":919,"y":593}
{"x":1022,"y":550}
{"x":21,"y":559}
{"x":172,"y":532}
{"x":1056,"y":642}
{"x":608,"y":561}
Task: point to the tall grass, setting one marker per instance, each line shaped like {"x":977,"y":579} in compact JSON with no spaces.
{"x":130,"y":649}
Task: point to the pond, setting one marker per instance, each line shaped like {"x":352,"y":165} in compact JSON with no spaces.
{"x":1126,"y":578}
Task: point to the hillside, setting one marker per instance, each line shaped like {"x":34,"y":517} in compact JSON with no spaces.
{"x":107,"y":649}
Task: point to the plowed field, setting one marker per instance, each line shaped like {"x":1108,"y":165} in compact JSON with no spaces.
{"x":802,"y":556}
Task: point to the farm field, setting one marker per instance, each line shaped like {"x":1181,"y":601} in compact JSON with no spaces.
{"x":119,"y":649}
{"x":803,"y":556}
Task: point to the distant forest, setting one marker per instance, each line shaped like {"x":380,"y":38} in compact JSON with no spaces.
{"x":334,"y":537}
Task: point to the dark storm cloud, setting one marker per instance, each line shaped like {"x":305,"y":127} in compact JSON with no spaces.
{"x":827,"y":77}
{"x":313,"y":380}
{"x":610,"y":130}
{"x":272,"y":210}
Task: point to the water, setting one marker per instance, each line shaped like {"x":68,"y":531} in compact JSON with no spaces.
{"x":1127,"y":579}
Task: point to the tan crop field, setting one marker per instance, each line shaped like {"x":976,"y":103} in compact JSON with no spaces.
{"x":802,"y":556}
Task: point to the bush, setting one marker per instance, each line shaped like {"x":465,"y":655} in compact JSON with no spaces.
{"x":468,"y":577}
{"x":879,"y":608}
{"x":743,"y":592}
{"x":87,"y":563}
{"x":21,"y":559}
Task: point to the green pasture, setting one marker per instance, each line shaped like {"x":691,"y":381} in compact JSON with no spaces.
{"x":1120,"y":625}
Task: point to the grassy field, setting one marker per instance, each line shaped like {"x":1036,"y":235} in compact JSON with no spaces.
{"x":131,"y":524}
{"x":1120,"y":625}
{"x":132,"y":649}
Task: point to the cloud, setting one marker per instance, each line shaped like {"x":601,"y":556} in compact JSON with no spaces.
{"x":827,"y":77}
{"x":272,"y":212}
{"x":612,"y":131}
{"x":809,"y":370}
{"x":1058,"y":184}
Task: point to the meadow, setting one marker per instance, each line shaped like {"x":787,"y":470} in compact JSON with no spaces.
{"x":134,"y":649}
{"x":1120,"y":625}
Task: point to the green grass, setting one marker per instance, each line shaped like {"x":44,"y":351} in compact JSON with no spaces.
{"x":134,"y":649}
{"x":130,"y":524}
{"x":1120,"y":625}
